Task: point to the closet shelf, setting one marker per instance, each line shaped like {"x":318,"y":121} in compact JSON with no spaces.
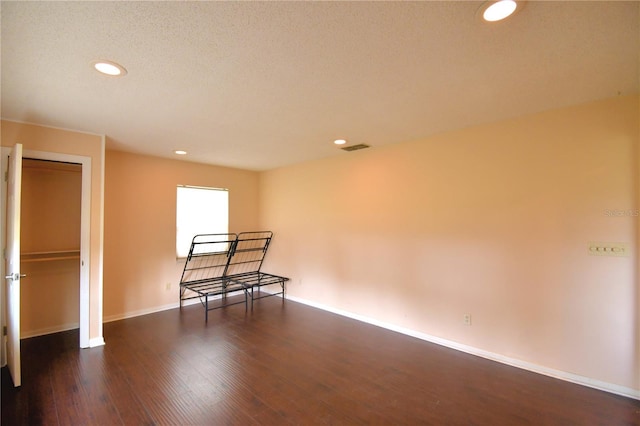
{"x":46,"y":256}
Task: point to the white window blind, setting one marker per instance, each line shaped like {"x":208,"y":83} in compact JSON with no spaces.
{"x":199,"y":211}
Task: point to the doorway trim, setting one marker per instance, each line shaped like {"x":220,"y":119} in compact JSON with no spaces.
{"x":85,"y":231}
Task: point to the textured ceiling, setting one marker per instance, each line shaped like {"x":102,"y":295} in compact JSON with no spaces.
{"x":258,"y":85}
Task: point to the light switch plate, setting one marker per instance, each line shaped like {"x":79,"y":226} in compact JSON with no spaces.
{"x":608,"y":249}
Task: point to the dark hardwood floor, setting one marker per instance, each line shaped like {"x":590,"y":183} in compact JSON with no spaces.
{"x":283,"y":363}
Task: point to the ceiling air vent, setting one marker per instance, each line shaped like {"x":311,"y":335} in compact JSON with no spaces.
{"x":355,"y":147}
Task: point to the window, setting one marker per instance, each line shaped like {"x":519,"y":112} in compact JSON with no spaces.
{"x":199,"y":211}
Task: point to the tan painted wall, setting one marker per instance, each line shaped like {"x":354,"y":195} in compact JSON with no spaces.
{"x":50,"y":223}
{"x":140,"y":225}
{"x":637,"y":289}
{"x":47,"y":139}
{"x":493,"y":221}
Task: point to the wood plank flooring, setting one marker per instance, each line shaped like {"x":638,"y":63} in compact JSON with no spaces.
{"x":278,"y":364}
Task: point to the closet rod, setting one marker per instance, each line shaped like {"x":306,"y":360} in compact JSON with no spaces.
{"x":44,"y":256}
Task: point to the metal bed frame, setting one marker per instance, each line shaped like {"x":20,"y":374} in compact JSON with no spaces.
{"x":220,"y":264}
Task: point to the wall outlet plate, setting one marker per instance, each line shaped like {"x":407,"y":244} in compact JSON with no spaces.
{"x":466,"y":319}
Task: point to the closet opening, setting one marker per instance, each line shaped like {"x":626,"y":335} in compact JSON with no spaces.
{"x":50,"y":246}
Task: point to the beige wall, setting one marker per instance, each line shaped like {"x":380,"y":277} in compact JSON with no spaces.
{"x":140,"y":226}
{"x":637,"y":288}
{"x":50,"y":223}
{"x":493,"y":221}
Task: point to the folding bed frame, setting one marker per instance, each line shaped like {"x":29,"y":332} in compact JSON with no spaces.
{"x":220,"y":264}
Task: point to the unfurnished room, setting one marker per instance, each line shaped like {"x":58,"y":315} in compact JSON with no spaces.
{"x":320,"y":212}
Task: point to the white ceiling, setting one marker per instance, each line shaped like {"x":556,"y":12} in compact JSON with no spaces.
{"x":258,"y":85}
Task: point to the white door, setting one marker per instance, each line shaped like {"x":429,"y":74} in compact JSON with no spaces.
{"x":13,"y":262}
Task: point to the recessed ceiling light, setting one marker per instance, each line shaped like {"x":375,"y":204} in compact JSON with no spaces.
{"x":180,"y":152}
{"x":493,"y":11}
{"x":340,"y":141}
{"x":109,"y":68}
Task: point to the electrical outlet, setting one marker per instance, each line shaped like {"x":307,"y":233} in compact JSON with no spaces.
{"x":167,"y":286}
{"x":466,"y":319}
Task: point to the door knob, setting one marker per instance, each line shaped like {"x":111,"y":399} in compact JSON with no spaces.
{"x":15,"y":277}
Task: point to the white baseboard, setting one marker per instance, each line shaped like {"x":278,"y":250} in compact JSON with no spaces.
{"x":562,"y":375}
{"x":133,"y":314}
{"x":49,"y":330}
{"x":96,"y":341}
{"x":148,"y":311}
